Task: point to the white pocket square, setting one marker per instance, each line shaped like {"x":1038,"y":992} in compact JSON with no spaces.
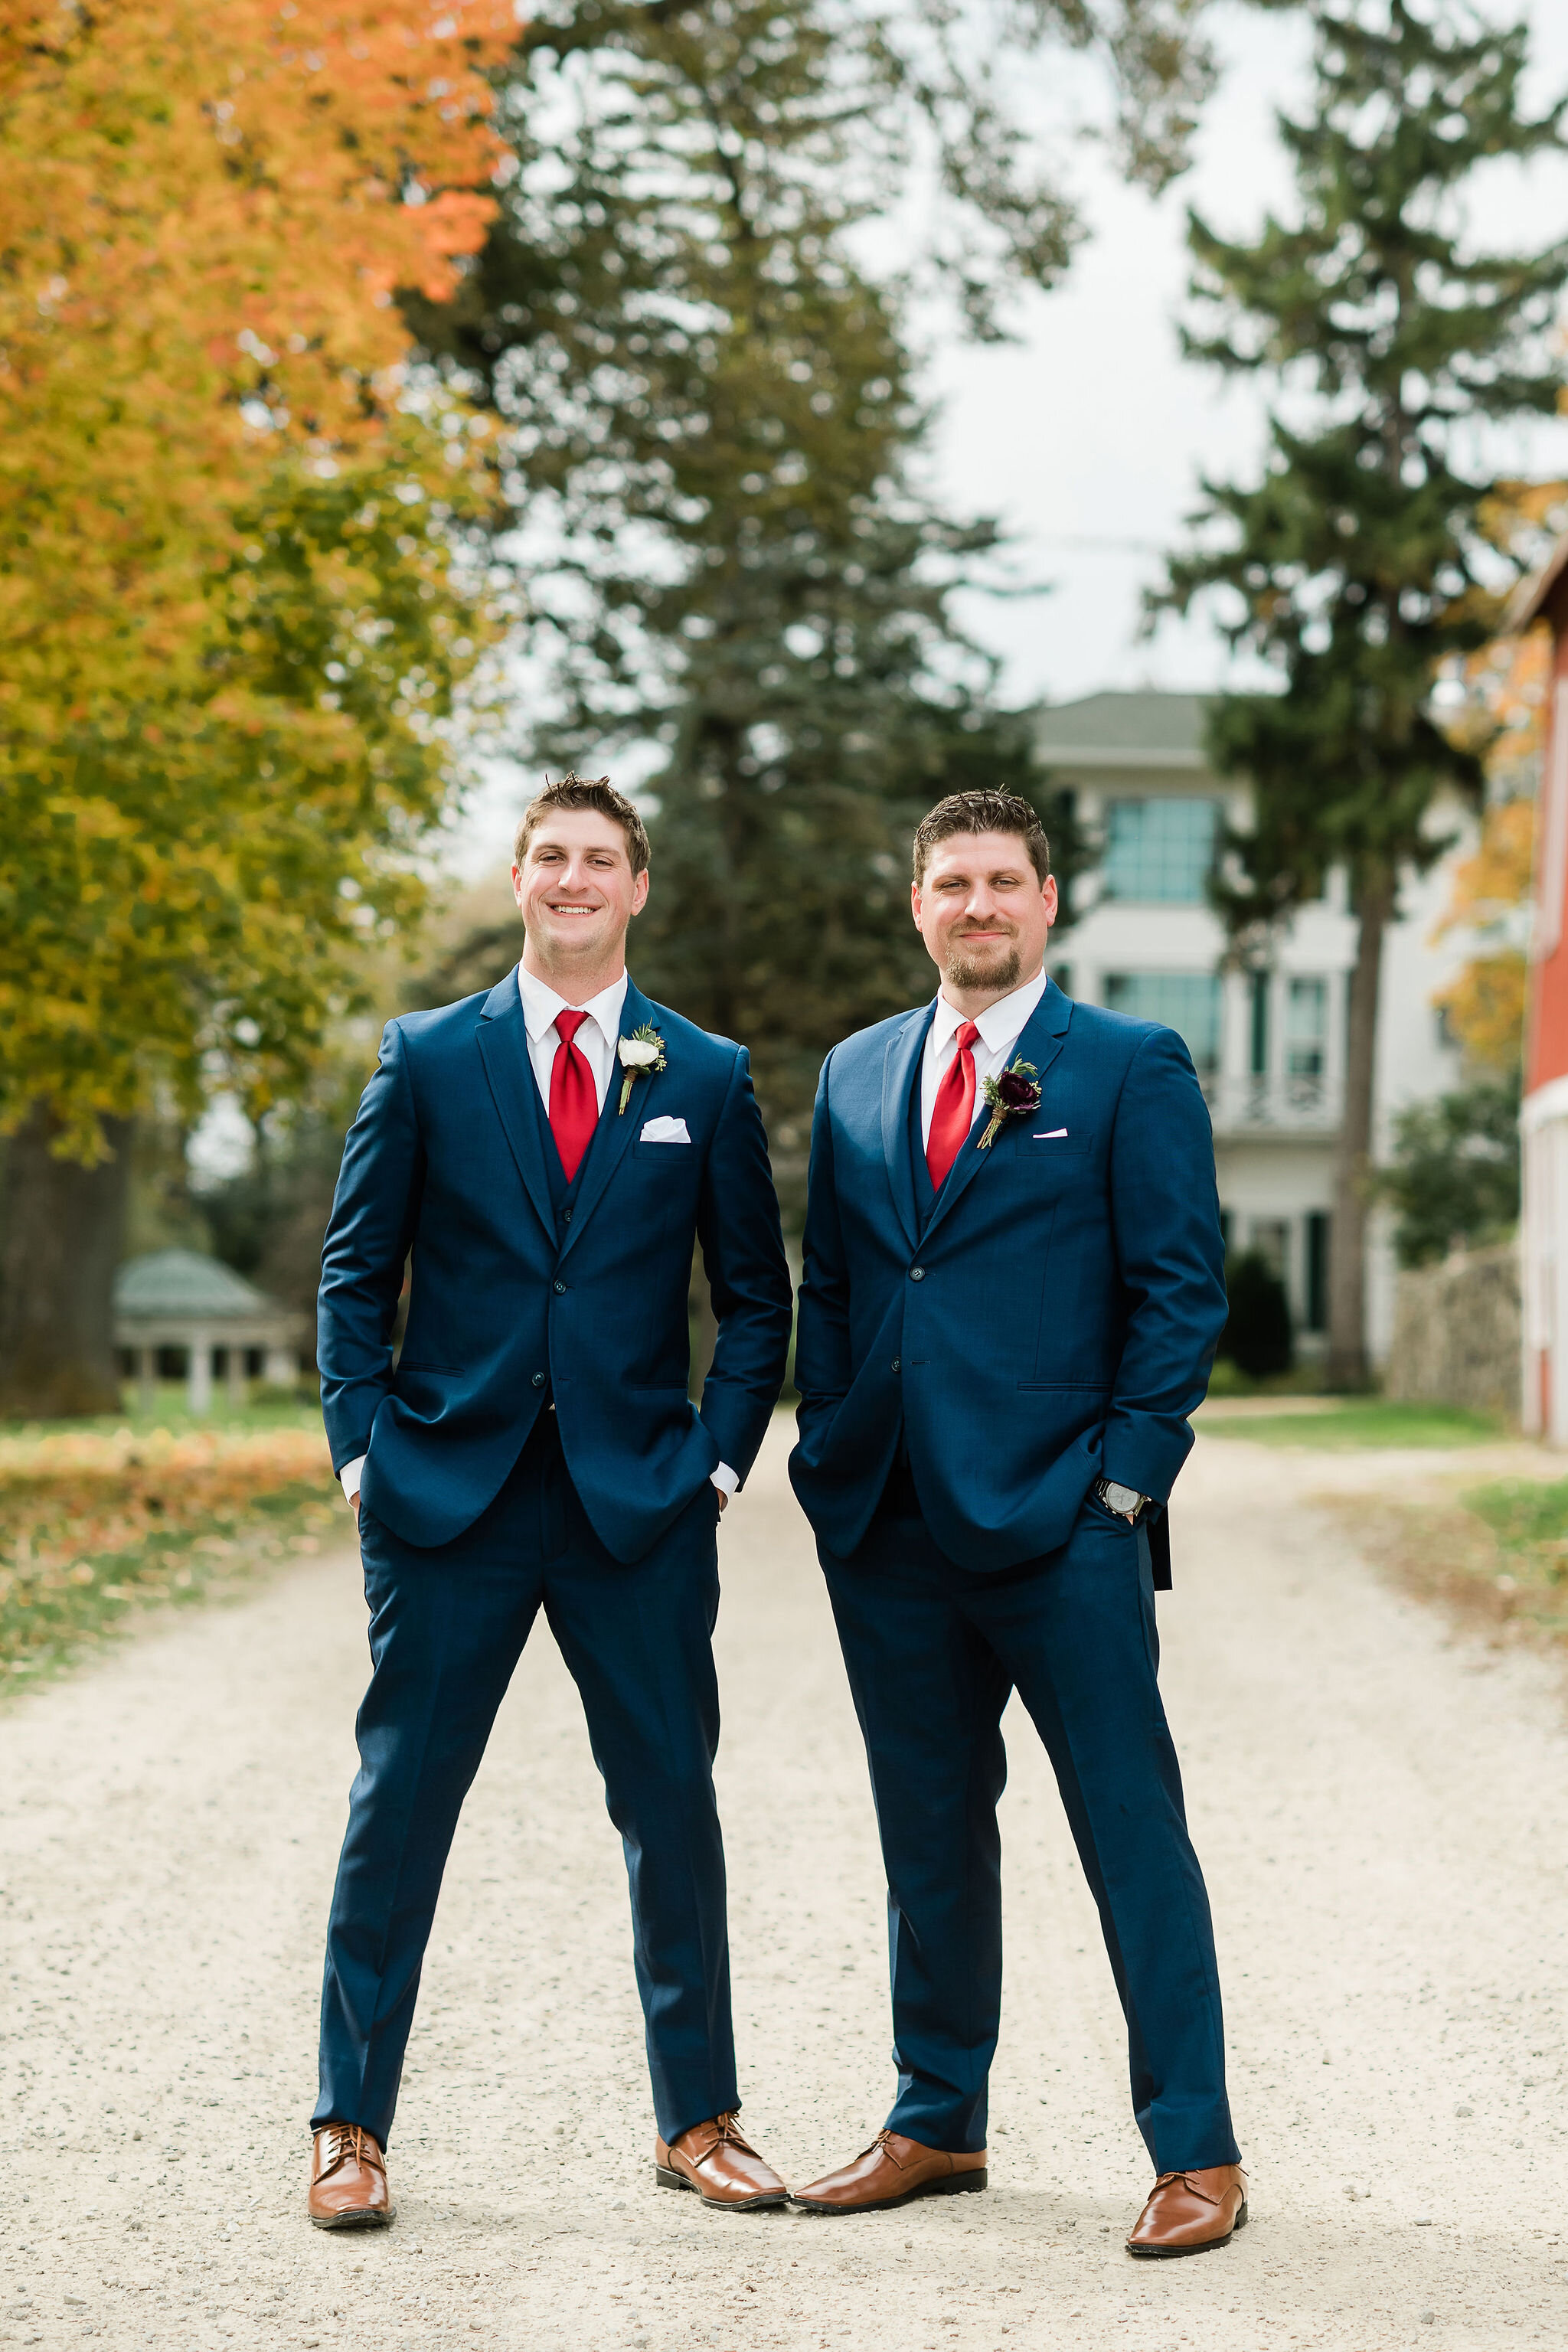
{"x":1051,"y":1135}
{"x":664,"y":1130}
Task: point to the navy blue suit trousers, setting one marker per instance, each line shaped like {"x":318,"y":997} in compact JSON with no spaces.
{"x":637,"y":1639}
{"x":934,"y":1653}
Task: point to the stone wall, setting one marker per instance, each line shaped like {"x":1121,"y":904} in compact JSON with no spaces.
{"x":1457,"y":1332}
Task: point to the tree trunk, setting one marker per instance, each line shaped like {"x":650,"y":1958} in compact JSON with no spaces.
{"x":1348,"y":1366}
{"x":62,"y":1228}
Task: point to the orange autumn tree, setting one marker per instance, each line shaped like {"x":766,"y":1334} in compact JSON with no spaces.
{"x":240,"y":583}
{"x":1505,"y":703}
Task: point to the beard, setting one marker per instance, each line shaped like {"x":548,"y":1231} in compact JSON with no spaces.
{"x":999,"y":971}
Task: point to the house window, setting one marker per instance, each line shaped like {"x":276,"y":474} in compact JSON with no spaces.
{"x":1160,"y":850}
{"x":1306,"y":1029}
{"x":1186,"y":1002}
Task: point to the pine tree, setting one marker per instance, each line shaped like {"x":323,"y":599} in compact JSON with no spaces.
{"x":1359,"y":564}
{"x":718,"y":446}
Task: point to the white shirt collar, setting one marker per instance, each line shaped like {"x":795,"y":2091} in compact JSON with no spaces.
{"x":999,"y":1025}
{"x":541,"y":1005}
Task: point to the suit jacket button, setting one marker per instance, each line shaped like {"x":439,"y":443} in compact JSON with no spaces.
{"x":896,"y":1365}
{"x":538,"y":1380}
{"x":561,"y":1290}
{"x":917,"y":1274}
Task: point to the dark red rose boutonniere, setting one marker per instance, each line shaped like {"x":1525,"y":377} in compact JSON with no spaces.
{"x":1015,"y":1095}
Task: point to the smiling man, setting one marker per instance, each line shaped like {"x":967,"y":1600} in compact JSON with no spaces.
{"x":542,"y":1161}
{"x":1013,"y":1288}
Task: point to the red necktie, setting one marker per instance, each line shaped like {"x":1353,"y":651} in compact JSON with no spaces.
{"x":953,"y":1113}
{"x":573,"y":1105}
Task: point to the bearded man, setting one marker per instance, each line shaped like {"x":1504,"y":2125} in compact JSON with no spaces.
{"x":542,"y":1159}
{"x":1013,"y":1288}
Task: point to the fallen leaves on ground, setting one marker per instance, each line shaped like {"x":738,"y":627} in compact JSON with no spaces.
{"x":1495,"y":1556}
{"x":93,"y":1524}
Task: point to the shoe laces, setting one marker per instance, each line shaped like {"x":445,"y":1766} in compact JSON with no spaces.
{"x":725,"y":2135}
{"x":1189,"y":2182}
{"x":349,"y":2139}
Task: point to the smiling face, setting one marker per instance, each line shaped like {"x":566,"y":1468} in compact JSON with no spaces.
{"x":576,"y":893}
{"x":984,"y":915}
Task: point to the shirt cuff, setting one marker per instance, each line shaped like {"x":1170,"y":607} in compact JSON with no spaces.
{"x":724,"y":1478}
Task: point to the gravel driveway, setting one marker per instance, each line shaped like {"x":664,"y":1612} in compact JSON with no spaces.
{"x":1381,"y":1808}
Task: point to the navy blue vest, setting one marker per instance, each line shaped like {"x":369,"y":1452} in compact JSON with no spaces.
{"x":562,"y":1194}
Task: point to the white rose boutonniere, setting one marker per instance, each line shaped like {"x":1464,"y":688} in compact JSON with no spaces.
{"x":641,"y":1055}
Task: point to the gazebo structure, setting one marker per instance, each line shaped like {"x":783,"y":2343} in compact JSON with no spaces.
{"x":176,"y":1298}
{"x":1543,"y":1118}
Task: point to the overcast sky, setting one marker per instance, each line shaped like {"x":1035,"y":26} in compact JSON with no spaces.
{"x":1088,"y":434}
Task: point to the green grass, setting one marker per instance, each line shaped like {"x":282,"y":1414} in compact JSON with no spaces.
{"x":1359,"y":1422}
{"x":98,"y":1523}
{"x":1530,"y":1581}
{"x":264,"y":1409}
{"x":49,"y":1622}
{"x":1526,"y":1518}
{"x":1228,"y":1380}
{"x":1498,"y":1560}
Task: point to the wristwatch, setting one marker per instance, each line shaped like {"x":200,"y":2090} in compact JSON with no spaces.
{"x":1125,"y":1501}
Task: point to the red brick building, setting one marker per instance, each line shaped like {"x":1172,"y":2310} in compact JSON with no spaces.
{"x":1544,"y":1115}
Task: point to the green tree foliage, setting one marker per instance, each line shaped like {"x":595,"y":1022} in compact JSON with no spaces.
{"x":1359,"y":562}
{"x":716,"y":443}
{"x":186,"y":886}
{"x":1455,"y":1173}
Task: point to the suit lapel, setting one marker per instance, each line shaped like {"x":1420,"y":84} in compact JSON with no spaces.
{"x":904,"y":1050}
{"x":502,"y":1039}
{"x":1041,"y":1042}
{"x":613,"y":1135}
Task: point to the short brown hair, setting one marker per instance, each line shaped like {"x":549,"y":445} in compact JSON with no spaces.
{"x":982,"y":813}
{"x":570,"y":791}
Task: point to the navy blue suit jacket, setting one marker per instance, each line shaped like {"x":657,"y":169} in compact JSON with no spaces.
{"x":512,"y":1307}
{"x":1055,"y":1320}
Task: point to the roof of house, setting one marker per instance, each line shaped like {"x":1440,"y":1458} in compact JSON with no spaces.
{"x":1532,"y":597}
{"x":182,"y":1281}
{"x":1146,"y":728}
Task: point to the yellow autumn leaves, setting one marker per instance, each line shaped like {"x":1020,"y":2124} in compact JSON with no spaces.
{"x":238,"y":592}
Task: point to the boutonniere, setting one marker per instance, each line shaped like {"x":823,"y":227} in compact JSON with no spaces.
{"x":1015,"y":1095}
{"x":641,"y":1056}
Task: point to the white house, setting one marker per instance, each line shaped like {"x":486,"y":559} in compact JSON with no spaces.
{"x":1269,"y":1044}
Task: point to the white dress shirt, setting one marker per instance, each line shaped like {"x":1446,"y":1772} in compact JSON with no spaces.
{"x":1000,"y":1025}
{"x":595,"y":1040}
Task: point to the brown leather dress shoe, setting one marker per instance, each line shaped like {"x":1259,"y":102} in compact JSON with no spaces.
{"x":892,"y":2172}
{"x":348,"y":2181}
{"x":1189,"y":2213}
{"x":724,"y":2169}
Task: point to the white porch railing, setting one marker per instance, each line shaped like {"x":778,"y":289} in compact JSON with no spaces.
{"x":1257,"y":1105}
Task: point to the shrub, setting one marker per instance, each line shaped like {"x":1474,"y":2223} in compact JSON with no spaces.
{"x":1455,"y":1177}
{"x":1256,"y":1338}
